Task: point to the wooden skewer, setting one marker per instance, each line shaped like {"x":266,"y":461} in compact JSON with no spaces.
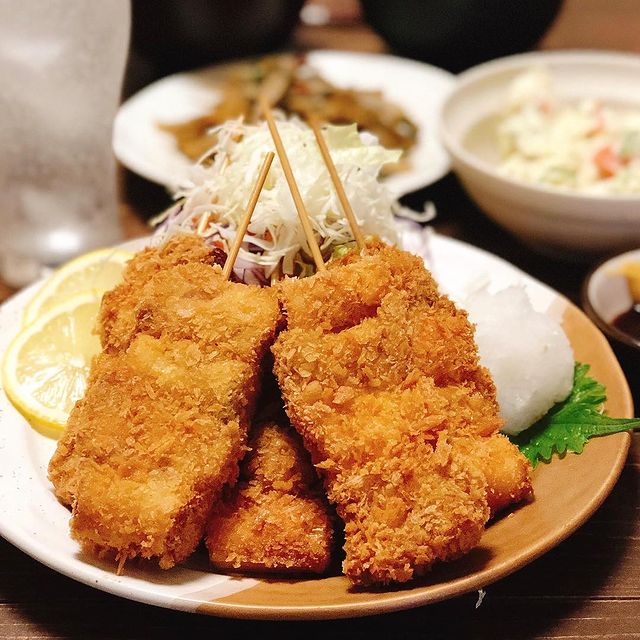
{"x":337,"y":183}
{"x":244,"y":224}
{"x":203,"y":222}
{"x":293,"y":187}
{"x":122,"y":559}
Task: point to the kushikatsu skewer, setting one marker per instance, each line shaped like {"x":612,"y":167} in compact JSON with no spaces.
{"x":383,"y":383}
{"x":337,"y":183}
{"x":164,"y":420}
{"x":276,"y":518}
{"x":293,"y":187}
{"x":387,"y":364}
{"x":244,"y":223}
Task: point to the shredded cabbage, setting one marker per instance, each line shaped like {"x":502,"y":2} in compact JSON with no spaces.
{"x":275,"y":244}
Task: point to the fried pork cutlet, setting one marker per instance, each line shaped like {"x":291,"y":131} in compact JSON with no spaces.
{"x":276,"y":518}
{"x":380,"y":376}
{"x":163,"y":422}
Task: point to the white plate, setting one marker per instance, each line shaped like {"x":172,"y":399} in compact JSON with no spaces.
{"x":32,"y":519}
{"x":418,"y":88}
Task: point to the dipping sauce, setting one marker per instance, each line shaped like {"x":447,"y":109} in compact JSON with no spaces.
{"x":629,"y":322}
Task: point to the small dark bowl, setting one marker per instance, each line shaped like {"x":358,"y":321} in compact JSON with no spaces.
{"x":458,"y":34}
{"x":605,"y":295}
{"x":174,"y":36}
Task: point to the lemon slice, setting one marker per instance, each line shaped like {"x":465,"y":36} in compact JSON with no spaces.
{"x":99,"y":270}
{"x":46,"y":366}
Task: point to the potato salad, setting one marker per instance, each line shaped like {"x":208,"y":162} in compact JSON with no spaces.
{"x":587,"y":146}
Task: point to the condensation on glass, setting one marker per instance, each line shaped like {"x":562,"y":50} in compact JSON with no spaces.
{"x":61,"y":69}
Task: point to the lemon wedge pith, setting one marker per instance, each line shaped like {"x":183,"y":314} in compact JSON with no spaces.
{"x":97,"y":271}
{"x":46,"y":366}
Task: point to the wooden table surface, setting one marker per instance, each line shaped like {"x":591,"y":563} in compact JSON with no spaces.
{"x":588,"y":587}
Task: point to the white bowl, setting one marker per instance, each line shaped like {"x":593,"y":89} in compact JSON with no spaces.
{"x":543,"y":216}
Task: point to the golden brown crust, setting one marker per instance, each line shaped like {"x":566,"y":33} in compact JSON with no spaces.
{"x":381,"y":377}
{"x":163,"y":422}
{"x":275,"y":518}
{"x":124,"y":311}
{"x":507,"y":471}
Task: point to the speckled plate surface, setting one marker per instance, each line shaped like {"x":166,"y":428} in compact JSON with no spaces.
{"x":567,"y":492}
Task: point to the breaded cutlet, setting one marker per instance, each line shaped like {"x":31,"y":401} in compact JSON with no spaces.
{"x":163,"y":422}
{"x":380,"y":376}
{"x":276,"y":518}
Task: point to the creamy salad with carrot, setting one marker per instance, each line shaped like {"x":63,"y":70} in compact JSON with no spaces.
{"x":588,"y":146}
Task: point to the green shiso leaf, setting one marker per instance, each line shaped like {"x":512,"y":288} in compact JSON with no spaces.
{"x":570,"y":423}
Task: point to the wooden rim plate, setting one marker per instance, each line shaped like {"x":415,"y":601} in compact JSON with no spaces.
{"x":567,"y":491}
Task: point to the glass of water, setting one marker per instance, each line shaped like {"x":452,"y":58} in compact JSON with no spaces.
{"x":61,"y":69}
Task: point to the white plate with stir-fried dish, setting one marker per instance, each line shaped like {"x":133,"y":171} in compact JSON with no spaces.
{"x":567,"y":489}
{"x":164,"y":128}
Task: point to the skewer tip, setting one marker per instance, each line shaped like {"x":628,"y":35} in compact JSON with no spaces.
{"x":246,"y":219}
{"x":337,"y":183}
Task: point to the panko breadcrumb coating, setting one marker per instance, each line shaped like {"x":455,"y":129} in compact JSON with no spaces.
{"x":163,"y":422}
{"x":506,"y":470}
{"x":276,"y":518}
{"x":380,"y":376}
